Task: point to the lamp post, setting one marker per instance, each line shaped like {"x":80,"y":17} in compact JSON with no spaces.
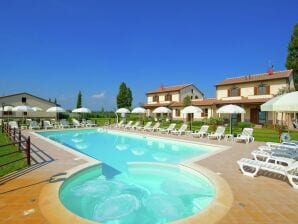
{"x":2,"y":122}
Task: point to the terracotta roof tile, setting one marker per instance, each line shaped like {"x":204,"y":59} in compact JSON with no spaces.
{"x":155,"y":105}
{"x":169,"y":88}
{"x":255,"y":78}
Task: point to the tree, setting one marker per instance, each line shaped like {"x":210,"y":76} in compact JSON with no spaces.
{"x":79,"y":100}
{"x":292,"y":58}
{"x":124,"y":97}
{"x":50,"y":100}
{"x":186,"y":101}
{"x":55,"y":101}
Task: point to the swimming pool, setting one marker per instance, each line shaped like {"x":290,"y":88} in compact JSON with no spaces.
{"x":118,"y":192}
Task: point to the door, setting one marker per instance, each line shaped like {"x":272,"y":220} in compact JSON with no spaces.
{"x":254,"y":115}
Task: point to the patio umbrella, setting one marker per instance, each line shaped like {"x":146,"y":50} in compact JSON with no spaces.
{"x":22,"y":108}
{"x":55,"y":110}
{"x":82,"y":110}
{"x":37,"y":109}
{"x":161,"y":110}
{"x":230,"y":109}
{"x":191,"y":110}
{"x":139,"y":110}
{"x":122,"y":111}
{"x":6,"y":108}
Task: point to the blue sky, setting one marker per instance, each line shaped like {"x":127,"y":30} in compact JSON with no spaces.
{"x":55,"y":48}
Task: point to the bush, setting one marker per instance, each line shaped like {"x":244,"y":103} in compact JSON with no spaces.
{"x":244,"y":124}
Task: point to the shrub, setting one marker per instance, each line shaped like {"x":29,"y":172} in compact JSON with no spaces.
{"x":244,"y":124}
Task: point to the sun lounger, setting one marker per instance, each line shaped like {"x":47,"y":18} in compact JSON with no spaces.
{"x":90,"y":124}
{"x":128,"y":125}
{"x":202,"y":132}
{"x":218,"y":134}
{"x":76,"y":123}
{"x":263,"y":155}
{"x":147,"y":125}
{"x":154,"y":128}
{"x":181,"y":130}
{"x":64,"y":124}
{"x":278,"y":146}
{"x":34,"y":125}
{"x":246,"y":136}
{"x":276,"y":165}
{"x":47,"y":125}
{"x":13,"y":124}
{"x":169,"y":129}
{"x":120,"y":124}
{"x":135,"y":125}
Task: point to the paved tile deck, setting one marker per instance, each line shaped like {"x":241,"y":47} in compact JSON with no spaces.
{"x":264,"y":200}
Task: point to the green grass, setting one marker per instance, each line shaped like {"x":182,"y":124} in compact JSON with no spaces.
{"x":7,"y":158}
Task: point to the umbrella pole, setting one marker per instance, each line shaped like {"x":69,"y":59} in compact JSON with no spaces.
{"x":230,"y":123}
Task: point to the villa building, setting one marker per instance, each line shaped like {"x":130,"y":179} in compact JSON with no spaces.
{"x":249,"y":92}
{"x":169,"y":96}
{"x":26,"y":99}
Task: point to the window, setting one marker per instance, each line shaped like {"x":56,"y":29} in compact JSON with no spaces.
{"x":7,"y":112}
{"x":191,"y":90}
{"x":25,"y":113}
{"x":234,"y":91}
{"x":168,"y":97}
{"x":262,"y":89}
{"x":177,"y":113}
{"x":191,"y":97}
{"x":196,"y":97}
{"x":262,"y":117}
{"x":24,"y":100}
{"x":205,"y":113}
{"x":155,"y":99}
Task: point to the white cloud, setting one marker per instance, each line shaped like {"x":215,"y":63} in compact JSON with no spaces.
{"x":99,"y":95}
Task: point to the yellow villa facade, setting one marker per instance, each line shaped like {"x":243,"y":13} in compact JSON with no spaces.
{"x":248,"y":91}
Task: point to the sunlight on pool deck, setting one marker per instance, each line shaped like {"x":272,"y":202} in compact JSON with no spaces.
{"x":259,"y":200}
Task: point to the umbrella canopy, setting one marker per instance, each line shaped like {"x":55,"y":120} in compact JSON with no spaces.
{"x":283,"y":103}
{"x":81,"y":110}
{"x":22,"y":108}
{"x":55,"y":110}
{"x":37,"y":109}
{"x":230,"y":109}
{"x":161,"y":110}
{"x":6,"y":108}
{"x":139,"y":110}
{"x":191,"y":110}
{"x":122,"y":111}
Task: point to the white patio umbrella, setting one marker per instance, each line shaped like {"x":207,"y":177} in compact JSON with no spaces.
{"x":55,"y":110}
{"x":122,"y":111}
{"x":230,"y":109}
{"x":22,"y":108}
{"x":283,"y":103}
{"x":6,"y":108}
{"x":139,"y":110}
{"x":37,"y":109}
{"x":82,"y":110}
{"x":161,"y":110}
{"x":191,"y":110}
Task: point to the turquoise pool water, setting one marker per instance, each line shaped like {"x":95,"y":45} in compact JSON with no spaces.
{"x":121,"y":192}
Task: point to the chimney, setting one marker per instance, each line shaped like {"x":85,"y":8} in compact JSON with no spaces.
{"x":270,"y":70}
{"x":161,"y":87}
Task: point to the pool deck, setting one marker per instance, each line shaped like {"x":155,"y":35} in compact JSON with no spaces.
{"x":264,"y":199}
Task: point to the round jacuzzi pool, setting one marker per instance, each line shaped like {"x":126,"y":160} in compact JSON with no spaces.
{"x":146,"y":193}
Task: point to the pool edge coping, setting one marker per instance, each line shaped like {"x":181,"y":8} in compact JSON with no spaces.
{"x":54,"y":211}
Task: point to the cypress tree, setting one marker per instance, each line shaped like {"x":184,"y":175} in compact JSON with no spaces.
{"x":292,"y":58}
{"x":79,"y":100}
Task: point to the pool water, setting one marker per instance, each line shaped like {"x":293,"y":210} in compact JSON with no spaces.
{"x":123,"y":192}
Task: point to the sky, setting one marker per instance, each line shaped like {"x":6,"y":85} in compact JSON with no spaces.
{"x":53,"y":49}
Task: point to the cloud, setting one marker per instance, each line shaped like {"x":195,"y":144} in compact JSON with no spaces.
{"x":99,"y":95}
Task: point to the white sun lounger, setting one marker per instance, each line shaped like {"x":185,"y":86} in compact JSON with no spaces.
{"x":246,"y":136}
{"x":47,"y":125}
{"x":76,"y":123}
{"x":154,"y":128}
{"x":90,"y":123}
{"x":181,"y":130}
{"x":202,"y":132}
{"x":251,"y":168}
{"x":128,"y":125}
{"x":147,"y":125}
{"x":135,"y":125}
{"x":218,"y":134}
{"x":120,"y":124}
{"x":13,"y":124}
{"x":64,"y":124}
{"x":169,"y":129}
{"x":263,"y":155}
{"x":34,"y":125}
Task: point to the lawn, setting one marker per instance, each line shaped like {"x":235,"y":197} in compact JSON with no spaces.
{"x":5,"y":157}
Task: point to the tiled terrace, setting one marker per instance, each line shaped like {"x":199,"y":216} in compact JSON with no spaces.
{"x":264,"y":200}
